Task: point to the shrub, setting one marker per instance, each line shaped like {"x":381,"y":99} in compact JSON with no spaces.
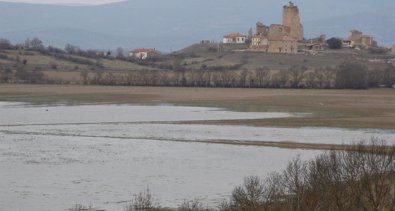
{"x":143,"y":201}
{"x":334,"y":43}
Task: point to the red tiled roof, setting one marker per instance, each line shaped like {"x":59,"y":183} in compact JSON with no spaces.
{"x":234,"y":35}
{"x":282,"y":38}
{"x":141,"y":50}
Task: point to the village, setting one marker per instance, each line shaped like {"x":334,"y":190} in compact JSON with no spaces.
{"x":285,"y":38}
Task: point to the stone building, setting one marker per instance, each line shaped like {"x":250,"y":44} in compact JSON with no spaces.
{"x":393,"y":49}
{"x":277,"y":30}
{"x":358,"y":39}
{"x":261,"y":29}
{"x":368,"y":41}
{"x":283,"y":44}
{"x":355,"y":36}
{"x":279,"y":38}
{"x":259,"y":43}
{"x":314,"y":44}
{"x":291,"y":19}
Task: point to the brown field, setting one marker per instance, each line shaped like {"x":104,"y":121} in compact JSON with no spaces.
{"x":374,"y":108}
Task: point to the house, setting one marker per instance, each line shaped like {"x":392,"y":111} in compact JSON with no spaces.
{"x":283,"y":44}
{"x":234,"y":38}
{"x":142,"y":53}
{"x":346,"y":44}
{"x":392,"y":50}
{"x":355,"y":36}
{"x":259,"y":43}
{"x":314,"y":44}
{"x":314,"y":47}
{"x":368,"y":41}
{"x":358,"y":39}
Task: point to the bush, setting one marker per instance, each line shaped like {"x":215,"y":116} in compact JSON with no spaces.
{"x":334,"y":43}
{"x":143,"y":201}
{"x":360,"y":178}
{"x":194,"y":205}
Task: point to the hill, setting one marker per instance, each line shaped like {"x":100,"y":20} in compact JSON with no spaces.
{"x":169,"y":25}
{"x":196,"y":65}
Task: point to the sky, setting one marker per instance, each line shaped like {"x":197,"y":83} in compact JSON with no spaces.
{"x":92,"y":2}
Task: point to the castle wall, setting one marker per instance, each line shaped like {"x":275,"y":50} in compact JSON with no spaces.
{"x":261,"y":29}
{"x":277,"y":30}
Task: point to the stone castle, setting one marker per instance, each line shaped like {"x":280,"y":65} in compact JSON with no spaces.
{"x":291,"y":26}
{"x":292,"y":20}
{"x":280,"y":38}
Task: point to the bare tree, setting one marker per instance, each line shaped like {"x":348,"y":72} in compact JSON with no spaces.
{"x":295,"y":180}
{"x":120,"y":53}
{"x":36,"y":44}
{"x":261,"y":76}
{"x":249,"y":196}
{"x":351,"y":76}
{"x":144,"y":201}
{"x":296,"y":73}
{"x":194,"y":205}
{"x":5,"y":44}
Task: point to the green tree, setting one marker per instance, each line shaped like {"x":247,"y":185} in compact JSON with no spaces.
{"x":334,"y":43}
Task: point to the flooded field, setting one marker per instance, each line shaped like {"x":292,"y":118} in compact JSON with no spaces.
{"x":52,"y":157}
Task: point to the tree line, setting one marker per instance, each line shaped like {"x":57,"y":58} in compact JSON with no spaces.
{"x":345,"y":76}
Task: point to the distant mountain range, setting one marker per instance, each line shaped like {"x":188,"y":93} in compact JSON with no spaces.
{"x":172,"y":24}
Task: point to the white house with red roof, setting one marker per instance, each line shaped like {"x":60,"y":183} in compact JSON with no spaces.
{"x":234,"y":38}
{"x":142,"y":53}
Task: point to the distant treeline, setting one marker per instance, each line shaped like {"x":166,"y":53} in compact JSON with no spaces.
{"x":361,"y":178}
{"x":345,"y":76}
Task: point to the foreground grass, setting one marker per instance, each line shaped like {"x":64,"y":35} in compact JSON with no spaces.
{"x":373,"y":108}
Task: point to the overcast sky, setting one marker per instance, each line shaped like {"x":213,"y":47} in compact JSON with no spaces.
{"x":64,"y":1}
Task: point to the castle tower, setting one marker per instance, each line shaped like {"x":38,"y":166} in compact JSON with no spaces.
{"x":292,"y":20}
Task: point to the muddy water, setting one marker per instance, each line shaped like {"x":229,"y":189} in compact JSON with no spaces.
{"x":52,"y":157}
